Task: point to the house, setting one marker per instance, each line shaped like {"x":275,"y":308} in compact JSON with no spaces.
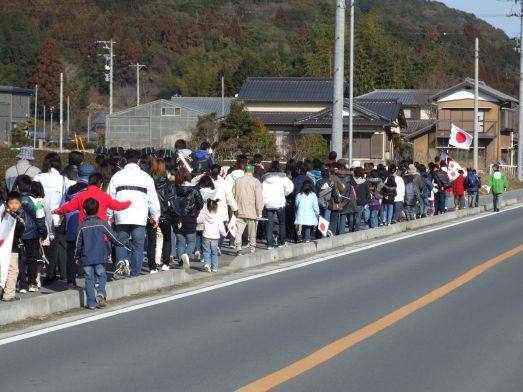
{"x":418,"y":108}
{"x":291,"y":107}
{"x":455,"y":105}
{"x":160,"y":123}
{"x":15,"y":106}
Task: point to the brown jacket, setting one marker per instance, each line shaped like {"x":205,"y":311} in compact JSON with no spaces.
{"x":247,"y":192}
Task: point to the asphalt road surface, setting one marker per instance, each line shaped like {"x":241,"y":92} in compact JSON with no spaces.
{"x":470,"y":339}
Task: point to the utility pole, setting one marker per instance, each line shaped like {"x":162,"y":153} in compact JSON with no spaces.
{"x":138,"y":66}
{"x":351,"y":79}
{"x":88,"y":126}
{"x":476,"y":99}
{"x":36,"y":114}
{"x":108,"y":45}
{"x":68,"y":129}
{"x":520,"y":120}
{"x":44,"y":121}
{"x":61,"y":112}
{"x":337,"y":101}
{"x":223,"y":96}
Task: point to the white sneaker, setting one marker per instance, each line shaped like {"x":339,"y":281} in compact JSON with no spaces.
{"x":23,"y":291}
{"x":214,"y":270}
{"x":282,"y":245}
{"x":165,"y":267}
{"x":153,"y":272}
{"x":127,"y":268}
{"x":32,"y":289}
{"x":206,"y":268}
{"x":197,"y":256}
{"x":119,"y":269}
{"x":186,"y":263}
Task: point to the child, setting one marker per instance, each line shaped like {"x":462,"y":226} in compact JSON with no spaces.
{"x":34,"y":233}
{"x":213,"y":228}
{"x":92,"y":250}
{"x":374,"y":205}
{"x":14,"y":208}
{"x":37,"y":197}
{"x":307,"y":210}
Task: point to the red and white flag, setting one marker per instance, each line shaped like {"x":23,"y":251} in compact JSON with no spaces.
{"x":7,"y":231}
{"x":231,"y":227}
{"x":459,"y":138}
{"x":323,"y":226}
{"x":452,"y":170}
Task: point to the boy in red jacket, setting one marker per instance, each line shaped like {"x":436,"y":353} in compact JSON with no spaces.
{"x":458,"y":189}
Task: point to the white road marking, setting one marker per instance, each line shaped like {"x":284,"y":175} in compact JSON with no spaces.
{"x":175,"y":297}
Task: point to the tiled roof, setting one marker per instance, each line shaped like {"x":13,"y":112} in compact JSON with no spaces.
{"x":406,"y":97}
{"x":279,"y":118}
{"x":15,"y":90}
{"x":366,"y":113}
{"x":482,"y":86}
{"x":287,"y":90}
{"x":414,"y":125}
{"x":205,"y":104}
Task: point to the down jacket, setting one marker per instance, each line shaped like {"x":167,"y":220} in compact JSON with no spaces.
{"x":275,"y":187}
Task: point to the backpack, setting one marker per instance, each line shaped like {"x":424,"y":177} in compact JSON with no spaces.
{"x":374,"y":204}
{"x":427,"y":187}
{"x":411,"y":194}
{"x":174,"y":205}
{"x":325,"y":194}
{"x":199,"y":165}
{"x":471,"y":181}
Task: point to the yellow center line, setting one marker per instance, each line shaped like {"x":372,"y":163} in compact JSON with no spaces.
{"x":337,"y":347}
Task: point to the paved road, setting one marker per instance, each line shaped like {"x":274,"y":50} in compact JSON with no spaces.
{"x":470,"y":340}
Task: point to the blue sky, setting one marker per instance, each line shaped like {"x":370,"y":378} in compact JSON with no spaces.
{"x":493,"y":11}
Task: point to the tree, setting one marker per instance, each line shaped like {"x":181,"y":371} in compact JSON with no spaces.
{"x":310,"y":147}
{"x":259,"y":141}
{"x":47,"y":74}
{"x":238,"y":123}
{"x":206,"y":130}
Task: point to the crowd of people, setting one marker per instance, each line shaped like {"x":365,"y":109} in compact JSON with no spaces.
{"x":169,"y":208}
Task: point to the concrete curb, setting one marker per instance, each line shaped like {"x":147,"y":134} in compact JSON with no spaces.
{"x":44,"y":305}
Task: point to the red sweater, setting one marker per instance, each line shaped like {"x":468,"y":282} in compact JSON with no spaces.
{"x":458,"y":186}
{"x":94,"y":192}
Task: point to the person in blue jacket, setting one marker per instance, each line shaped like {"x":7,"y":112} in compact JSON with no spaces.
{"x":92,"y":250}
{"x":307,"y":210}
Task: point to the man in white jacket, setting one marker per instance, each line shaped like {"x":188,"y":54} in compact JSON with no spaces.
{"x":275,"y":187}
{"x":399,"y":200}
{"x":131,"y":183}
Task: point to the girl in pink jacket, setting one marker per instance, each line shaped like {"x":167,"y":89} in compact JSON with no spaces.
{"x":213,"y":228}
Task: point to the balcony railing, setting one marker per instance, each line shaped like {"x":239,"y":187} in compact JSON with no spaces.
{"x":485,"y":127}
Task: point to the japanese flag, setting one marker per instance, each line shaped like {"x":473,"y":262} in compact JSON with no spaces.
{"x":453,"y":168}
{"x":231,"y":227}
{"x":459,"y":138}
{"x":7,"y":229}
{"x":323,"y":226}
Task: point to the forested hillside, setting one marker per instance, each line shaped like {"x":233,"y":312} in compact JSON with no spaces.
{"x":188,"y":45}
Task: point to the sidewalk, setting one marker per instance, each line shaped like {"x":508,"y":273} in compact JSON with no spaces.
{"x":57,"y":298}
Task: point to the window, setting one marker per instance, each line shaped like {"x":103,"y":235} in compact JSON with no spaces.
{"x":171,"y":111}
{"x":407,"y":113}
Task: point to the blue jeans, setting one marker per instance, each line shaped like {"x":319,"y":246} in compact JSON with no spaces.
{"x":424,"y":206}
{"x":136,"y":243}
{"x":357,"y":218}
{"x":90,"y":271}
{"x":173,"y":243}
{"x":374,"y":218}
{"x":306,"y":232}
{"x":366,"y":214}
{"x":398,"y":206}
{"x":342,"y":224}
{"x":411,"y":212}
{"x":185,"y":243}
{"x":269,"y":226}
{"x":440,"y":201}
{"x":326,"y":214}
{"x":210,"y":253}
{"x":198,"y":242}
{"x":387,"y":212}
